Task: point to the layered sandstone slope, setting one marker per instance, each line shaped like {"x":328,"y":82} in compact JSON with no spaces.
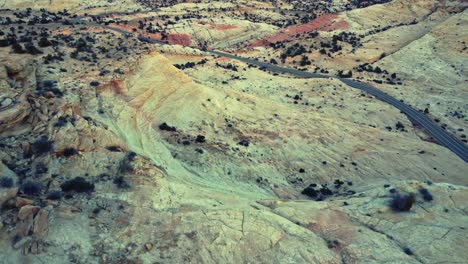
{"x":314,"y":136}
{"x":75,"y":6}
{"x":178,"y":210}
{"x":118,"y":151}
{"x":196,"y":25}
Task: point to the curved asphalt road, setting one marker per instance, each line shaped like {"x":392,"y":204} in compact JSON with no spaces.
{"x":440,"y":135}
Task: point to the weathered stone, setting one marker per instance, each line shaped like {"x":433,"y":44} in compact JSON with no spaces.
{"x":148,"y":246}
{"x":20,"y":202}
{"x":34,"y":248}
{"x":7,"y":194}
{"x":27,"y":210}
{"x":40,"y":223}
{"x":44,"y":109}
{"x":24,"y":226}
{"x":42,"y":117}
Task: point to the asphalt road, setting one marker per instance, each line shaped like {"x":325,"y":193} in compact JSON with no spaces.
{"x":440,"y":135}
{"x":443,"y":137}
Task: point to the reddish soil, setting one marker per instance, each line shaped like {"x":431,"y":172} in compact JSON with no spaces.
{"x":155,"y":36}
{"x":117,"y":86}
{"x":222,"y":59}
{"x":327,"y":22}
{"x":222,"y":26}
{"x":181,"y":39}
{"x":93,"y":30}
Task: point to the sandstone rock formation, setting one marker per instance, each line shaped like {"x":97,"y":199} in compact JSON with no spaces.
{"x":113,"y":150}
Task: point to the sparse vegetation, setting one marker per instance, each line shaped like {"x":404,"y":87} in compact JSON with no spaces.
{"x":114,"y":148}
{"x":84,"y":94}
{"x":408,"y":251}
{"x":121,"y":183}
{"x":41,"y":146}
{"x":55,"y":195}
{"x":427,"y":196}
{"x":401,"y":202}
{"x":244,"y":142}
{"x":200,"y":139}
{"x":165,"y":127}
{"x":78,"y":184}
{"x":31,"y":188}
{"x":68,"y":152}
{"x":6,"y":182}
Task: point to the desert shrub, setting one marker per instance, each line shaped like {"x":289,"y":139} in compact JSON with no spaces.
{"x":81,"y":45}
{"x":114,"y":148}
{"x":408,"y":251}
{"x":131,"y":156}
{"x":333,"y":243}
{"x":338,"y":183}
{"x":119,"y":71}
{"x":78,"y":184}
{"x":68,"y":152}
{"x":41,"y":146}
{"x":47,"y":84}
{"x":121,"y":182}
{"x":342,"y":74}
{"x":427,"y":196}
{"x":200,"y":139}
{"x":317,"y":193}
{"x":61,"y":122}
{"x":310,"y":191}
{"x":17,"y":48}
{"x":401,"y":202}
{"x":6,"y":182}
{"x":199,"y":150}
{"x":325,"y":191}
{"x":244,"y":143}
{"x":165,"y":127}
{"x":400,"y":126}
{"x":104,"y":72}
{"x":4,"y":43}
{"x":31,"y":49}
{"x":44,"y":42}
{"x":31,"y":188}
{"x":55,"y":195}
{"x":49,"y":58}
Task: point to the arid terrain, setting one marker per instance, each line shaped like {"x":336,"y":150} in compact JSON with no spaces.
{"x":124,"y":139}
